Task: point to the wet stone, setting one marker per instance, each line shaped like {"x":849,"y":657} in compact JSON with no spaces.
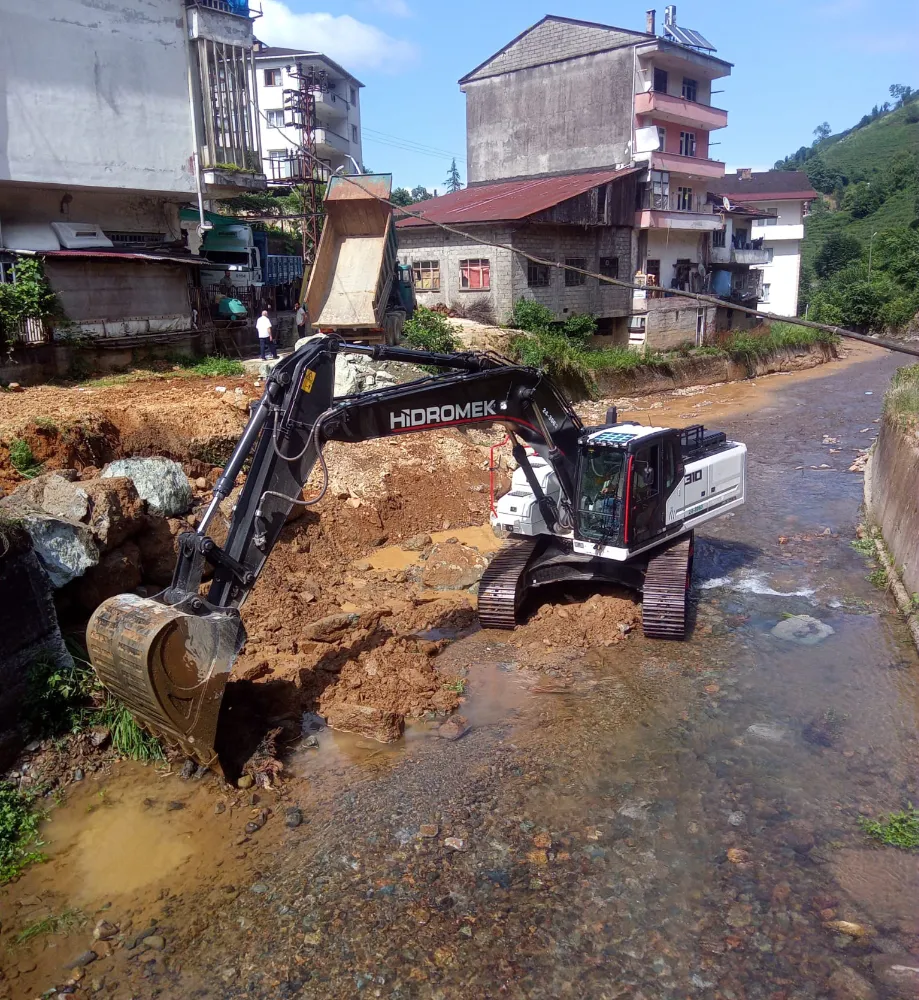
{"x":83,"y":959}
{"x":155,"y":942}
{"x":174,"y":806}
{"x":293,"y":817}
{"x":847,"y":984}
{"x":804,"y":630}
{"x":899,"y":974}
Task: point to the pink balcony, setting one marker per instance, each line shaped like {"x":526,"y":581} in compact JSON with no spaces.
{"x":690,"y":166}
{"x":683,"y":112}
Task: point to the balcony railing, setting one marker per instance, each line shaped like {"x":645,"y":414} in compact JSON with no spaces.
{"x":670,"y":202}
{"x":332,"y":140}
{"x":238,"y":7}
{"x":296,"y":169}
{"x":678,"y":109}
{"x":751,"y":252}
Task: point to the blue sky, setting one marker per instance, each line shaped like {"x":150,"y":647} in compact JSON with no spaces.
{"x":796,"y":63}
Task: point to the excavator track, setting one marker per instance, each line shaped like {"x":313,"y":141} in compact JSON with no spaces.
{"x":665,"y":595}
{"x":501,"y":590}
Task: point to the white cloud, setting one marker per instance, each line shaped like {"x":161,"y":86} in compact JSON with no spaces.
{"x":395,"y":8}
{"x":351,"y":42}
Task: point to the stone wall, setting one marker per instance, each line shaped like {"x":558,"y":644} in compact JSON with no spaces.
{"x":28,"y":629}
{"x":894,"y":499}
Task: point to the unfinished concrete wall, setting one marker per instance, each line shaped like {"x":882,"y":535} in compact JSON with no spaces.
{"x":558,"y":243}
{"x":674,"y":320}
{"x":554,"y":118}
{"x":895,"y":498}
{"x":430,"y":244}
{"x":95,"y":94}
{"x":28,"y":629}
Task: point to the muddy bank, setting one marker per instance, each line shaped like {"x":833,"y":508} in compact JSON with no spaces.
{"x":685,"y":372}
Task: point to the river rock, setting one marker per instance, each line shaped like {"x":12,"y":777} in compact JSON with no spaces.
{"x":899,"y":973}
{"x":803,"y":630}
{"x":154,"y":942}
{"x":118,"y":572}
{"x":417,"y":543}
{"x":159,"y":481}
{"x":847,"y":984}
{"x":115,"y":510}
{"x":83,"y":959}
{"x":374,"y":723}
{"x":453,"y":566}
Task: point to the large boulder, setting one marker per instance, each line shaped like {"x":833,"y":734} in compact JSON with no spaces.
{"x":158,"y":548}
{"x":66,"y":549}
{"x":111,"y":508}
{"x":159,"y":481}
{"x":118,"y":572}
{"x":453,"y":566}
{"x":364,"y":720}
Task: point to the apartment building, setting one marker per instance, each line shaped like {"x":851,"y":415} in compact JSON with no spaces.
{"x":784,"y":198}
{"x":337,"y":107}
{"x":569,"y":95}
{"x":113,"y":117}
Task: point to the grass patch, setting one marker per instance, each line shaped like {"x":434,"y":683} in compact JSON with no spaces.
{"x":865,"y":547}
{"x":175,"y":366}
{"x":457,"y":685}
{"x":898,"y":830}
{"x":22,"y":459}
{"x":747,"y":349}
{"x":127,"y":737}
{"x":57,"y":695}
{"x":61,"y":923}
{"x":879,"y":578}
{"x":901,"y":401}
{"x":18,"y":832}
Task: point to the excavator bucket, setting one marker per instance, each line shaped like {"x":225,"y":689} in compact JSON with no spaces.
{"x":170,"y":668}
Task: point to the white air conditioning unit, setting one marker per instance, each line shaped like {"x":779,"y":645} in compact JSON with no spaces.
{"x":80,"y":235}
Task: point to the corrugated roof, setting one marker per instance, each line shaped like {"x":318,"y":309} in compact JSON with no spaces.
{"x":508,"y":200}
{"x":768,"y":185}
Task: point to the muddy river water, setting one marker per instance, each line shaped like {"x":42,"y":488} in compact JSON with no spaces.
{"x":672,"y":821}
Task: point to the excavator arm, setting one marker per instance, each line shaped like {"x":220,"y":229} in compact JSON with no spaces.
{"x":168,"y":658}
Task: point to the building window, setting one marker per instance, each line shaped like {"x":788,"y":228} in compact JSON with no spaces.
{"x":687,"y":143}
{"x":653,"y":271}
{"x":275,"y":118}
{"x":662,"y":138}
{"x":601,"y":203}
{"x":684,"y":199}
{"x":353,"y":95}
{"x":700,"y":327}
{"x":272,"y":78}
{"x":278,"y":154}
{"x":426,"y":275}
{"x":354,"y":133}
{"x":660,"y":80}
{"x":719,"y":238}
{"x":537,"y":275}
{"x":7,"y":272}
{"x":765,"y":294}
{"x":609,"y":267}
{"x":690,"y":89}
{"x":572,"y":278}
{"x":475,"y":274}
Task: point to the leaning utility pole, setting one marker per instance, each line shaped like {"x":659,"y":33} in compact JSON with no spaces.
{"x":300,"y":113}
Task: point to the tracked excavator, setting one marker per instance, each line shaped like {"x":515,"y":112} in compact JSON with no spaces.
{"x":616,"y":503}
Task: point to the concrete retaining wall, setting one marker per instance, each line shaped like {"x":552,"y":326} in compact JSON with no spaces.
{"x":894,"y":499}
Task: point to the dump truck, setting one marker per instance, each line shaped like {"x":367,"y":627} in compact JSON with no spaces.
{"x":356,"y":288}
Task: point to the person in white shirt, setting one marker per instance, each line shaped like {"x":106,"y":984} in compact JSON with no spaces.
{"x":301,"y":320}
{"x":266,"y":342}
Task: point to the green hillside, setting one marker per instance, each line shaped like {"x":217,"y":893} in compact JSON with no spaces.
{"x":860,"y":258}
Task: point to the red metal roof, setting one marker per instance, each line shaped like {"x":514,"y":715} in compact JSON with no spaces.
{"x":508,"y":200}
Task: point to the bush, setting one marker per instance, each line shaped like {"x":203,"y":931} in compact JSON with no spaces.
{"x":216,"y":365}
{"x":18,"y":830}
{"x":428,"y":330}
{"x":580,"y":326}
{"x":838,"y":251}
{"x":22,"y":459}
{"x":57,"y":697}
{"x":531,"y":316}
{"x":901,"y":401}
{"x":565,"y":360}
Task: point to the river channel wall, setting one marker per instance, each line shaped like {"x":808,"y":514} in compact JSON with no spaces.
{"x":893,"y":498}
{"x":684,"y":372}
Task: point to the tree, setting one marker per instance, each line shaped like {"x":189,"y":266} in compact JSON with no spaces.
{"x":421,"y":193}
{"x":863,"y":199}
{"x":838,"y":251}
{"x":901,"y":93}
{"x":823,"y":131}
{"x":401,"y":196}
{"x":453,"y":182}
{"x":824,"y":178}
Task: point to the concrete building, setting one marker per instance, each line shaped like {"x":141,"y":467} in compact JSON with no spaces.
{"x":583,"y":220}
{"x":784,"y":198}
{"x":112,"y":117}
{"x":338,"y":111}
{"x":568,"y":95}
